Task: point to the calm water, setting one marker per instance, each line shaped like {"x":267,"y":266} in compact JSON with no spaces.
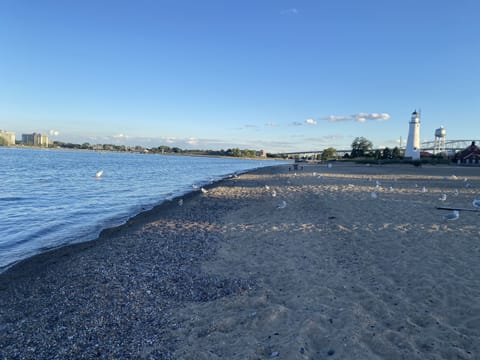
{"x":50,"y":198}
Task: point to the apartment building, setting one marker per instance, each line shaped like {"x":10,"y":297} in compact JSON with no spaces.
{"x":8,"y":137}
{"x":35,"y":139}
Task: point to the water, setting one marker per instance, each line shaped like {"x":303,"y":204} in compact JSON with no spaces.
{"x":50,"y":198}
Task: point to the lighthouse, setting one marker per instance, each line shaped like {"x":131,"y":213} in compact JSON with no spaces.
{"x":413,"y":142}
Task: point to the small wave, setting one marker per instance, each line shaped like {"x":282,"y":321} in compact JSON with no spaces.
{"x":12,"y":198}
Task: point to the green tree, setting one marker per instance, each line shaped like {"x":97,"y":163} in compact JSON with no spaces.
{"x":396,"y":153}
{"x":361,"y":147}
{"x":387,"y":153}
{"x":329,"y":153}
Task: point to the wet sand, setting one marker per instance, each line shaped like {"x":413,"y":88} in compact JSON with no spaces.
{"x":335,"y":274}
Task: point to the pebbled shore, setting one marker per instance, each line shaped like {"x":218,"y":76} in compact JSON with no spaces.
{"x":336,"y":273}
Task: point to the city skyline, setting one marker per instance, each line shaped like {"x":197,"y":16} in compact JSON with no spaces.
{"x":273,"y":75}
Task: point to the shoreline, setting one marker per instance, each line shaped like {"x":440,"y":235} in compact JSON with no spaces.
{"x":335,"y":273}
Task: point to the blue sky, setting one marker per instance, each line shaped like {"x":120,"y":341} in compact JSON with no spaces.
{"x":274,"y":75}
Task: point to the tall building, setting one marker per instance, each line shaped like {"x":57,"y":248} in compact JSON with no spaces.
{"x":35,"y":139}
{"x":8,"y":137}
{"x":413,"y":142}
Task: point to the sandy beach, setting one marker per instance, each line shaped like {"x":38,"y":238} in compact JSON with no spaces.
{"x":342,"y":262}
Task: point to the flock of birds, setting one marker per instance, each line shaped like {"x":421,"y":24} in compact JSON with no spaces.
{"x":453,"y":215}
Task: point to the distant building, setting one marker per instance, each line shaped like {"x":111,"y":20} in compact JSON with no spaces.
{"x":262,"y":153}
{"x":8,"y":137}
{"x":469,"y":156}
{"x":35,"y":139}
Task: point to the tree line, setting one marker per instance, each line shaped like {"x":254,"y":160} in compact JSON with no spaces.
{"x":162,"y":149}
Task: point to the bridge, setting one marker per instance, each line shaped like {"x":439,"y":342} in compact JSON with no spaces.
{"x":451,"y":146}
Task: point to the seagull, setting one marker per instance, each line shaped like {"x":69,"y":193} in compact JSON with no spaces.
{"x":454,"y":215}
{"x":373,"y":195}
{"x":203,"y":190}
{"x":377,"y":183}
{"x":195,"y":187}
{"x":476,"y":203}
{"x":283,"y":205}
{"x":99,"y":174}
{"x":455,"y":192}
{"x":180,"y":202}
{"x":423,"y":189}
{"x":443,"y":197}
{"x":390,"y":188}
{"x":274,"y":193}
{"x":267,"y":187}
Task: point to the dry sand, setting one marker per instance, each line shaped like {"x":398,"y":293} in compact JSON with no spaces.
{"x":335,"y":274}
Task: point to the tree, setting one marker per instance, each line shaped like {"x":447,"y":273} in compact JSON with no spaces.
{"x":387,"y":153}
{"x":361,"y":147}
{"x":396,"y":153}
{"x":329,"y":153}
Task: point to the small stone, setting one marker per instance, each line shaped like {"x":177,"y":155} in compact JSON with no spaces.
{"x":274,"y":354}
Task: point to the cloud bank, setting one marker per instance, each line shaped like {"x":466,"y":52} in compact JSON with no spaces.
{"x":359,"y":117}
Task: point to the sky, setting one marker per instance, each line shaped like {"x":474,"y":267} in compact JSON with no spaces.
{"x":276,"y":75}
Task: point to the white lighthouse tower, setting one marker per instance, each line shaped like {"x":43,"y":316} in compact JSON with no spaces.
{"x":413,"y":142}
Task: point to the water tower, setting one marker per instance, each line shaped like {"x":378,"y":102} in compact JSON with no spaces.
{"x":412,"y":150}
{"x":440,"y":137}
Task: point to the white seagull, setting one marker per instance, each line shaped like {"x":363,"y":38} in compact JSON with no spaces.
{"x":283,"y":205}
{"x":99,"y":174}
{"x":476,"y":203}
{"x":203,"y":190}
{"x":373,"y":195}
{"x":454,"y":215}
{"x":443,"y":197}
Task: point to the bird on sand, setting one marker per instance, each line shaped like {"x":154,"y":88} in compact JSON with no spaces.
{"x":443,"y":197}
{"x":373,"y":195}
{"x":476,"y":203}
{"x":454,"y":215}
{"x":282,"y":205}
{"x":99,"y":174}
{"x":203,"y":190}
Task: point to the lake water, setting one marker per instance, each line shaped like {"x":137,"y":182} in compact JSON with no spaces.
{"x":50,"y":198}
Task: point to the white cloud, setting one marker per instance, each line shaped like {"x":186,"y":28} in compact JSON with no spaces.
{"x":310,"y":122}
{"x":54,"y":132}
{"x":296,"y":123}
{"x":291,"y":11}
{"x":120,"y":136}
{"x":192,"y":141}
{"x":271,"y":124}
{"x":359,"y":117}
